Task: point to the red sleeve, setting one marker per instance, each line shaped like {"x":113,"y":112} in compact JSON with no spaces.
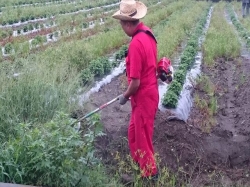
{"x":135,"y":58}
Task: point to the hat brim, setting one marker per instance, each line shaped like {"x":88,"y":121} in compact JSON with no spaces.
{"x":141,"y":12}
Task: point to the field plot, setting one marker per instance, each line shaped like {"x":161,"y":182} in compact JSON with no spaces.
{"x":62,"y":59}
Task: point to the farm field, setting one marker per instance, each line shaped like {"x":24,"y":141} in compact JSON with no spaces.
{"x":62,"y":59}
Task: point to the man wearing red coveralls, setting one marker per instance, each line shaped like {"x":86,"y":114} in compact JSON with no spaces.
{"x":141,"y":62}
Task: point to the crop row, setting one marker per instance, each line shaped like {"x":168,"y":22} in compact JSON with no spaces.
{"x":3,"y":3}
{"x":19,"y":49}
{"x":49,"y":30}
{"x":171,"y":97}
{"x":14,"y":16}
{"x":83,"y":21}
{"x":22,"y":4}
{"x":88,"y":73}
{"x":243,"y":32}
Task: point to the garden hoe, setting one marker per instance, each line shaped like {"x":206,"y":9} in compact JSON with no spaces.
{"x":94,"y":111}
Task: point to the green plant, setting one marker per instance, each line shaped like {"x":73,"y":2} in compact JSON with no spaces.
{"x":25,"y":28}
{"x":176,"y":87}
{"x":34,"y":42}
{"x":179,"y":76}
{"x":34,"y":95}
{"x":86,"y":76}
{"x":170,"y":99}
{"x":96,"y":67}
{"x":121,"y":53}
{"x":85,"y":25}
{"x":213,"y":105}
{"x":30,"y":27}
{"x":52,"y":154}
{"x":8,"y":48}
{"x":79,"y":58}
{"x":3,"y":34}
{"x":206,"y":85}
{"x":107,"y":66}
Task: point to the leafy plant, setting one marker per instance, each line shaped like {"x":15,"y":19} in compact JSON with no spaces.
{"x":179,"y":76}
{"x":25,"y":28}
{"x":8,"y":48}
{"x":106,"y":64}
{"x":86,"y":76}
{"x":96,"y":67}
{"x":170,"y":99}
{"x":121,"y":53}
{"x":52,"y":154}
{"x":176,"y":87}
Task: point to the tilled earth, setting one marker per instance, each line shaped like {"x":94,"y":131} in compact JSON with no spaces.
{"x":193,"y":151}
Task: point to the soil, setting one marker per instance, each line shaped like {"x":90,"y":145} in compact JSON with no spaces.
{"x":193,"y":152}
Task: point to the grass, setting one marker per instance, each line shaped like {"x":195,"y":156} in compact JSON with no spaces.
{"x":207,"y":104}
{"x":34,"y":95}
{"x":221,"y":39}
{"x":126,"y":165}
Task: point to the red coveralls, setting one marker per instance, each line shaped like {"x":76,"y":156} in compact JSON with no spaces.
{"x":141,"y":64}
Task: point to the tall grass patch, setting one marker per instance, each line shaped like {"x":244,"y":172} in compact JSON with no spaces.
{"x":30,"y":94}
{"x":221,"y":39}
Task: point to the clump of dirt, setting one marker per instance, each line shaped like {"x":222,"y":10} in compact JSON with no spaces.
{"x":198,"y":158}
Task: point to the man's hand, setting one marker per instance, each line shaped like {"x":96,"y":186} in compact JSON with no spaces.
{"x":122,"y":99}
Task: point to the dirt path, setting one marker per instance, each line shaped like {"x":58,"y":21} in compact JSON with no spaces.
{"x":196,"y":157}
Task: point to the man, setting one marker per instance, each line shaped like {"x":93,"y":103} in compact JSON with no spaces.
{"x":141,"y":62}
{"x":245,"y":8}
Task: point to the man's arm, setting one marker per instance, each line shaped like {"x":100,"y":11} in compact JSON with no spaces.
{"x":132,"y":88}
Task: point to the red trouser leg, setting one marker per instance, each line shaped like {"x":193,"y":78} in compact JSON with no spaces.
{"x":140,"y":134}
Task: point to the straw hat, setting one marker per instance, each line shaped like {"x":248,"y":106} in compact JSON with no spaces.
{"x":130,"y":10}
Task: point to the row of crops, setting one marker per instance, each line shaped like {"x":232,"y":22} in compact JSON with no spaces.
{"x":39,"y":86}
{"x":187,"y":59}
{"x":65,"y":26}
{"x":12,"y":15}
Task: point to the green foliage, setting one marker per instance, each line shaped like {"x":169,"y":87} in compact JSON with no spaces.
{"x":30,"y":27}
{"x":34,"y":42}
{"x":107,"y":66}
{"x":170,"y":99}
{"x":221,"y":39}
{"x":40,"y":39}
{"x":192,"y":42}
{"x":187,"y":58}
{"x":85,"y":25}
{"x":3,"y":34}
{"x":86,"y":76}
{"x":213,"y":106}
{"x":79,"y":58}
{"x":176,"y":86}
{"x":121,"y":53}
{"x":8,"y":48}
{"x":191,"y":50}
{"x":179,"y":76}
{"x":32,"y":96}
{"x":96,"y":67}
{"x":52,"y":154}
{"x":25,"y":28}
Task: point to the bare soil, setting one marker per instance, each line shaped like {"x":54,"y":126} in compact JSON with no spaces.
{"x":219,"y":157}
